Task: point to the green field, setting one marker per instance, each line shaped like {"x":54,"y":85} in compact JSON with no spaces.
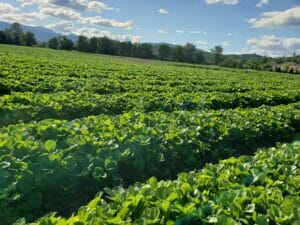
{"x":74,"y":126}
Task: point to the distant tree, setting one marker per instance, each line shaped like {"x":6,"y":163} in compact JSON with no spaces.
{"x":217,"y":51}
{"x":164,"y":51}
{"x":199,"y":57}
{"x":82,"y":43}
{"x":41,"y":44}
{"x":16,"y":33}
{"x":65,"y":43}
{"x":229,"y":62}
{"x":93,"y":45}
{"x":53,"y":43}
{"x":177,"y":54}
{"x":189,"y":51}
{"x":143,"y":50}
{"x":5,"y":37}
{"x":29,"y":39}
{"x":253,"y":64}
{"x":106,"y":46}
{"x":124,"y":48}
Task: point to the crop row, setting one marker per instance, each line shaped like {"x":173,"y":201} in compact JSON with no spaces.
{"x":19,"y":73}
{"x":58,"y":165}
{"x":44,"y":84}
{"x":263,"y":189}
{"x":71,"y":105}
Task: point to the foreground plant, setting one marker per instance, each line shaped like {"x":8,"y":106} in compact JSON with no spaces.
{"x":263,"y":189}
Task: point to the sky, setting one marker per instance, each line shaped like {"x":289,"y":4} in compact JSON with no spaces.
{"x":266,"y":27}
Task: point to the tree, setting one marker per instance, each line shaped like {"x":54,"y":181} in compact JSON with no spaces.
{"x":177,"y":54}
{"x":124,"y":48}
{"x":229,"y":62}
{"x":53,"y":43}
{"x":164,"y":52}
{"x":106,"y":46}
{"x":143,"y":50}
{"x":199,"y":57}
{"x":29,"y":39}
{"x":189,"y":51}
{"x":5,"y":37}
{"x":217,"y":51}
{"x":65,"y":43}
{"x":16,"y":33}
{"x":82,"y":43}
{"x":93,"y":45}
{"x":41,"y":44}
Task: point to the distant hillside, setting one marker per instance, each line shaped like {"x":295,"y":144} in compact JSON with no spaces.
{"x":246,"y":56}
{"x":42,"y":34}
{"x":210,"y":57}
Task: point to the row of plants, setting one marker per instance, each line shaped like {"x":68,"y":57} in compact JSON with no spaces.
{"x":27,"y":73}
{"x":262,"y":189}
{"x":58,"y":165}
{"x":28,"y":106}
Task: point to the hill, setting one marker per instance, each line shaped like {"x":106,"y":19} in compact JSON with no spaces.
{"x":42,"y":34}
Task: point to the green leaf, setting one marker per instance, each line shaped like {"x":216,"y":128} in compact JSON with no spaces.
{"x":225,"y":220}
{"x":5,"y":164}
{"x":250,"y":208}
{"x":262,"y":220}
{"x":50,"y":145}
{"x":99,"y":173}
{"x":152,"y":182}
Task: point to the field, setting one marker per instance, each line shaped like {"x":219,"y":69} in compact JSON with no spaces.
{"x":98,"y":133}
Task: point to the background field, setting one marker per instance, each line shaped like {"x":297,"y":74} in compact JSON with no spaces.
{"x":73,"y":124}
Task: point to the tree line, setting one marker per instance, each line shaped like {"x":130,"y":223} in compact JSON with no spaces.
{"x":15,"y":35}
{"x":104,"y":45}
{"x":177,"y":53}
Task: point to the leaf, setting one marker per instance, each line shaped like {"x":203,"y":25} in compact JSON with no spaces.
{"x":99,"y":173}
{"x":5,"y":164}
{"x":152,"y":182}
{"x":250,"y":208}
{"x":262,"y":220}
{"x":20,"y":221}
{"x":110,"y":164}
{"x":50,"y":145}
{"x":225,"y":220}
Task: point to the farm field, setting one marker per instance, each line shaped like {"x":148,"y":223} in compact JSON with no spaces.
{"x":74,"y":126}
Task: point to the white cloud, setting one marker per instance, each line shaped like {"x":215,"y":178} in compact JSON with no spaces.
{"x":7,"y":8}
{"x":24,"y":18}
{"x":227,"y":2}
{"x":67,"y":27}
{"x":63,"y":13}
{"x":198,"y":32}
{"x":274,"y":46}
{"x":62,"y":27}
{"x":190,"y":32}
{"x":201,"y":43}
{"x":261,"y":3}
{"x":225,"y":44}
{"x":81,"y":5}
{"x":11,"y":14}
{"x":163,"y":11}
{"x":162,"y":31}
{"x":229,"y":34}
{"x":99,"y":21}
{"x":180,"y":31}
{"x":91,"y":32}
{"x":290,"y":17}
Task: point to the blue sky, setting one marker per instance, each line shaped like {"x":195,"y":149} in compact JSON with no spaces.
{"x":268,"y":27}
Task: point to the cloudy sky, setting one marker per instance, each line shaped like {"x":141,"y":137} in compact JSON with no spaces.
{"x":269,"y":27}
